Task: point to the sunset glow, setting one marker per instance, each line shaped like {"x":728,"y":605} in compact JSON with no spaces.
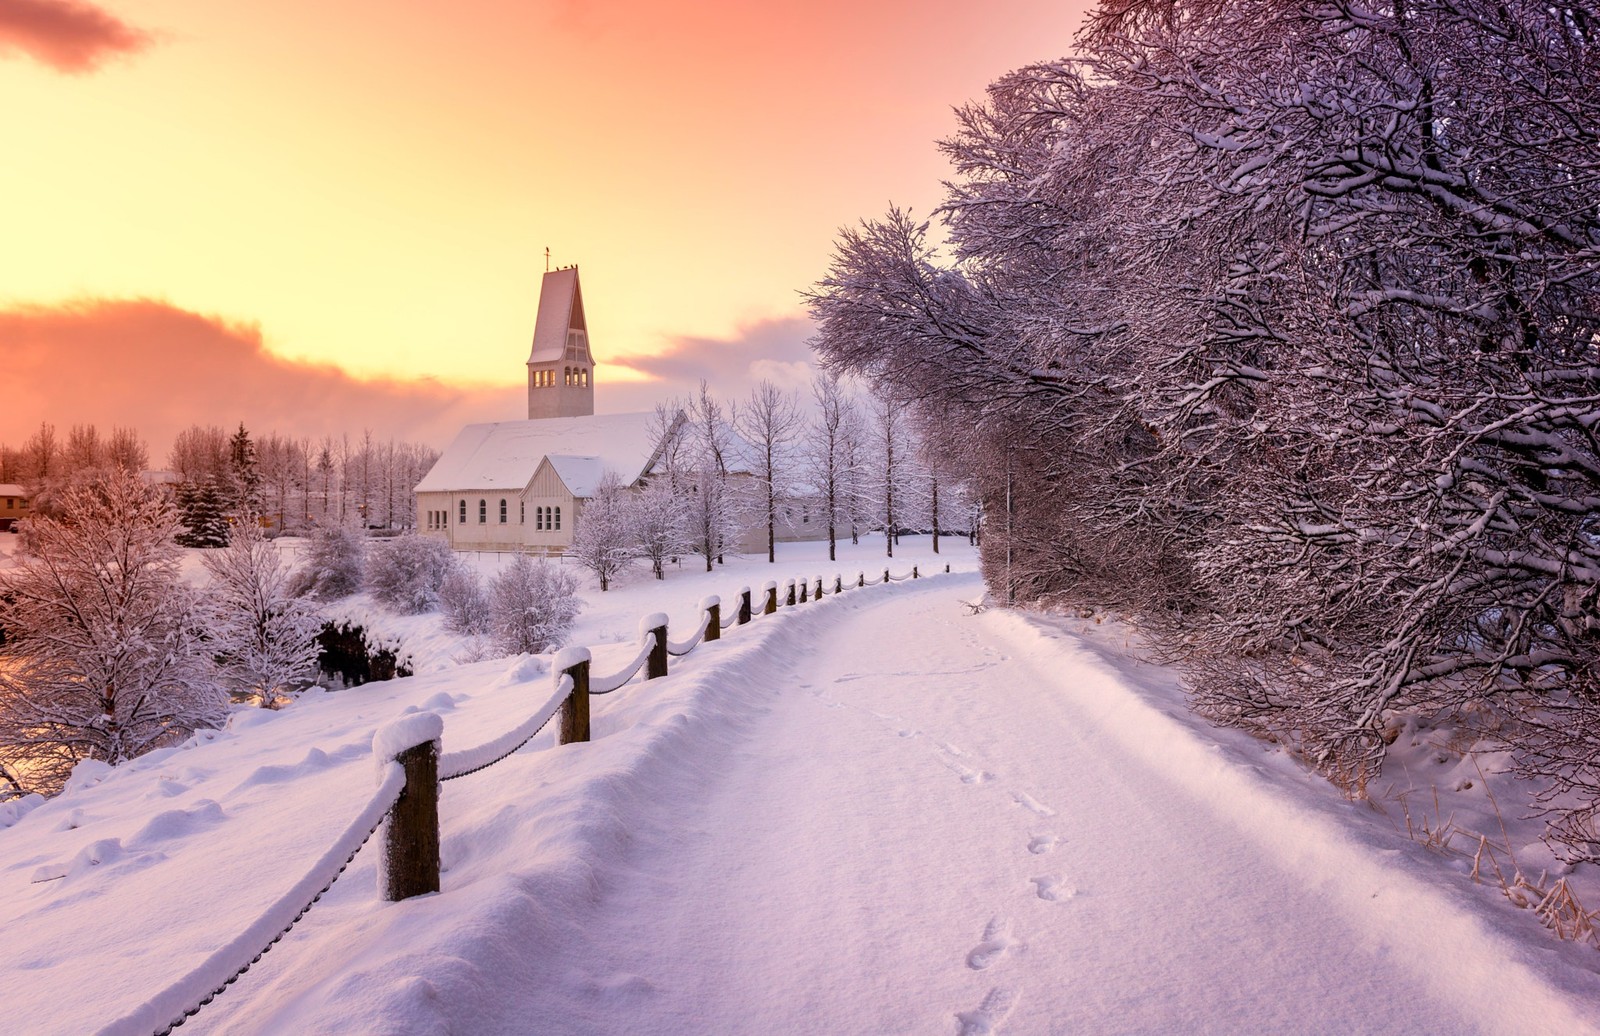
{"x":374,"y":185}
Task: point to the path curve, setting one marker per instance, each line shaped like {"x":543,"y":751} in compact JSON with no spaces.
{"x":930,"y":831}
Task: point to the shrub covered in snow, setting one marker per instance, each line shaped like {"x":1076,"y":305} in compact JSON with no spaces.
{"x":349,"y":654}
{"x":464,"y":601}
{"x":406,"y":573}
{"x":532,"y":605}
{"x":335,"y":565}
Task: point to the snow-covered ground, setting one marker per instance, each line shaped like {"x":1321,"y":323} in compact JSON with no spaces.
{"x":874,"y":813}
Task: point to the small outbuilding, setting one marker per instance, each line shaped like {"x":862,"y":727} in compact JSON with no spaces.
{"x":13,"y":505}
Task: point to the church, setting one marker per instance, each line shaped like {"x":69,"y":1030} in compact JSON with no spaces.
{"x":521,"y":485}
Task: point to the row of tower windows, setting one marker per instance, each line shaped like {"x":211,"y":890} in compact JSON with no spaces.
{"x":573,"y":377}
{"x":545,"y":518}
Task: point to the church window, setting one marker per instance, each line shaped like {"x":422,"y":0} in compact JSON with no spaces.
{"x":557,"y":525}
{"x":463,"y":512}
{"x":483,"y":512}
{"x":538,"y":519}
{"x":583,"y":377}
{"x":522,"y":512}
{"x":502,"y":511}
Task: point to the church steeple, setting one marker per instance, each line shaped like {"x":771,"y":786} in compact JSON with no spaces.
{"x":560,"y":367}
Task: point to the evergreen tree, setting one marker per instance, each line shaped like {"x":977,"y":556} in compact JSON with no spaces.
{"x":203,"y":511}
{"x":244,"y":474}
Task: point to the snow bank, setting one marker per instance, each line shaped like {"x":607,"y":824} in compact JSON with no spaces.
{"x":1455,"y":948}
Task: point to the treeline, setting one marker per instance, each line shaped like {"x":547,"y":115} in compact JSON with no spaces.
{"x":1276,"y":325}
{"x":294,"y":483}
{"x":109,"y":652}
{"x":841,"y":464}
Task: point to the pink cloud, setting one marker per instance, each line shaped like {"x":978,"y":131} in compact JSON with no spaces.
{"x":768,"y":350}
{"x":67,"y":35}
{"x":151,"y":366}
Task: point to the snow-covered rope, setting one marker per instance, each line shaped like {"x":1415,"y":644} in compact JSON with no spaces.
{"x":471,"y":760}
{"x":679,"y":650}
{"x":181,"y":1000}
{"x":607,"y":684}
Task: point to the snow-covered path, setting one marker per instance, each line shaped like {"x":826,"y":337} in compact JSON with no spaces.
{"x":877,"y":813}
{"x":930,"y":832}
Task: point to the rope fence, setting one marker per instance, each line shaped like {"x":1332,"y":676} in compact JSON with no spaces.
{"x":410,"y":771}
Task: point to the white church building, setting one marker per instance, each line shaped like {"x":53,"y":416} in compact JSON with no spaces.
{"x":520,"y":485}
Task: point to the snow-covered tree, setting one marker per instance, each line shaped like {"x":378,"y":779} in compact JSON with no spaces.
{"x":405,"y":573}
{"x":244,"y":474}
{"x":263,"y":637}
{"x":659,"y":520}
{"x":203,"y":511}
{"x":334,"y":567}
{"x":105,"y":656}
{"x":715,"y":516}
{"x":1283,"y":315}
{"x":827,"y":453}
{"x":532,"y":605}
{"x":769,"y":422}
{"x":604,"y":541}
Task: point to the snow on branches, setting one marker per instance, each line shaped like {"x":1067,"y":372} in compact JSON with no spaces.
{"x":106,"y":655}
{"x":1277,"y":324}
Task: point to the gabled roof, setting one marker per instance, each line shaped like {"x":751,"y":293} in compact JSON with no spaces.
{"x":11,"y":489}
{"x":504,"y":455}
{"x":560,"y":309}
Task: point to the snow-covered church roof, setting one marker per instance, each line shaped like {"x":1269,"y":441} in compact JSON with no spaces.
{"x":504,"y":455}
{"x":560,"y":309}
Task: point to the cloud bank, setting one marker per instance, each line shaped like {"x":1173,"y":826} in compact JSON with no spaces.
{"x":68,"y":35}
{"x":151,"y":366}
{"x":157,"y":368}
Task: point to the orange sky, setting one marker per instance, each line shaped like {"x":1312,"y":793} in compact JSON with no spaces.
{"x":373,"y":184}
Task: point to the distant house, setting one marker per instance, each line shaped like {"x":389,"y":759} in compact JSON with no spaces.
{"x":13,"y":505}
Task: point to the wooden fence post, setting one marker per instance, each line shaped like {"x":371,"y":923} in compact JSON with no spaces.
{"x":770,"y":605}
{"x":712,"y":606}
{"x":410,"y":865}
{"x":789,"y":601}
{"x":744,"y":605}
{"x":913,"y":571}
{"x":573,"y":661}
{"x":838,"y":584}
{"x":861,"y":579}
{"x":947,"y":568}
{"x":886,"y":575}
{"x":819,"y":588}
{"x":805,"y":587}
{"x":654,"y":625}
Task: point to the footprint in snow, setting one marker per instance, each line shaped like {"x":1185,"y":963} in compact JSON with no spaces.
{"x":1038,"y":845}
{"x":986,"y":1019}
{"x":1052,"y":888}
{"x":1032,"y":804}
{"x":996,"y":941}
{"x":975,"y":776}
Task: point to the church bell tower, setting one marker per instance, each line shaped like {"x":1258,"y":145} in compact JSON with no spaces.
{"x":560,"y":367}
